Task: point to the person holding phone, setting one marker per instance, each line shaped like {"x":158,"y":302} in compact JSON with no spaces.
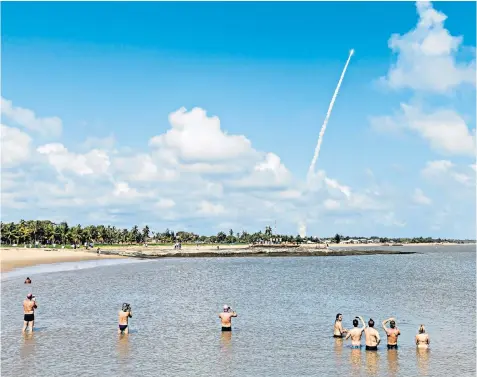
{"x":356,"y":332}
{"x":124,"y":314}
{"x":226,"y":318}
{"x":29,"y":306}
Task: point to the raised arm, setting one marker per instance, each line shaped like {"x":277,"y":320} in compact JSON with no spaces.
{"x":362,"y":321}
{"x":130,"y":313}
{"x":384,"y":324}
{"x":234,"y":314}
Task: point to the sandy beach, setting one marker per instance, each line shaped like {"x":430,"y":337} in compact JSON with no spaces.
{"x":18,"y":257}
{"x":11,"y":258}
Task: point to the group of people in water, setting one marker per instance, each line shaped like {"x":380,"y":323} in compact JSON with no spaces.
{"x":372,"y":338}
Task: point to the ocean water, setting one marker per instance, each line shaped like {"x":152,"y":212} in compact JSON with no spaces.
{"x":286,"y":309}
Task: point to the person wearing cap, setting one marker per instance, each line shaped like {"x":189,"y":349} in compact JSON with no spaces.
{"x":372,"y":336}
{"x":422,"y":339}
{"x":29,"y":306}
{"x":392,"y":333}
{"x":226,"y":318}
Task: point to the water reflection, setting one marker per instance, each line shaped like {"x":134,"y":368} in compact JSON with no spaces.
{"x":356,"y":361}
{"x":338,"y":348}
{"x":123,"y":346}
{"x":372,"y":362}
{"x":226,"y":342}
{"x":422,"y":355}
{"x":393,"y":362}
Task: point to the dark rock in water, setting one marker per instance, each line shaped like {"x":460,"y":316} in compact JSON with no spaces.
{"x":256,"y":251}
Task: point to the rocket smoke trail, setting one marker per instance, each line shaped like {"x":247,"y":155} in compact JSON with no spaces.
{"x":323,"y":127}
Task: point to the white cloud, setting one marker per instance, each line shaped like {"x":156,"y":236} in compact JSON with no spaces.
{"x":165,"y":203}
{"x":420,"y":198}
{"x":50,"y":126}
{"x":15,"y":146}
{"x":445,"y":130}
{"x":426,"y":56}
{"x":207,"y":208}
{"x":94,"y":162}
{"x":446,"y":172}
{"x":331,"y":204}
{"x":195,"y":137}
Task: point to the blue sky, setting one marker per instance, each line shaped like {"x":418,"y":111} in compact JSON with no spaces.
{"x":401,"y":136}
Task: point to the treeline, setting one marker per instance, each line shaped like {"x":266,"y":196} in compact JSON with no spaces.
{"x":46,"y":232}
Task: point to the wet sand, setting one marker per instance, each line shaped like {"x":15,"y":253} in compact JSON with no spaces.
{"x":11,"y":258}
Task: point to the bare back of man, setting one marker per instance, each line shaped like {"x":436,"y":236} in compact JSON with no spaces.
{"x":356,"y":332}
{"x":226,"y":318}
{"x":372,"y":337}
{"x":29,"y":306}
{"x":124,"y":321}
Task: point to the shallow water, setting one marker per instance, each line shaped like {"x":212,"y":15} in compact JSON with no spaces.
{"x":286,"y":310}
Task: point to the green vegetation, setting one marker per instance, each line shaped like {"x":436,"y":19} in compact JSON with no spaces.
{"x":48,"y":233}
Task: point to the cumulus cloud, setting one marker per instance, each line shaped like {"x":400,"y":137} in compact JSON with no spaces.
{"x":420,"y":198}
{"x":426,"y":56}
{"x":49,"y":126}
{"x":445,"y":130}
{"x":15,"y":146}
{"x":446,"y":172}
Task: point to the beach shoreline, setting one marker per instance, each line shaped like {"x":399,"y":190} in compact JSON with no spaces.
{"x":18,"y":257}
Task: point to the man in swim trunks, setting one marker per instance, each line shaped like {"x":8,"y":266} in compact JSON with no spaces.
{"x":27,"y":280}
{"x":124,"y":314}
{"x":226,"y":318}
{"x":356,"y":332}
{"x":422,"y":339}
{"x":372,"y":336}
{"x":29,"y":306}
{"x":338,"y":329}
{"x":392,"y":333}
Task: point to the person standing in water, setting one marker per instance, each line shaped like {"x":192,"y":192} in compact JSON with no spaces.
{"x":29,"y":306}
{"x":422,"y":339}
{"x":226,"y":318}
{"x":124,"y":314}
{"x":372,"y":336}
{"x":391,"y":333}
{"x":356,"y":332}
{"x":338,"y":329}
{"x":27,"y":280}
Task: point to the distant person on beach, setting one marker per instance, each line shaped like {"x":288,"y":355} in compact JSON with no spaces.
{"x":372,"y":336}
{"x":29,"y":306}
{"x":27,"y":280}
{"x":422,"y":339}
{"x":392,"y":333}
{"x":338,"y":329}
{"x":124,"y":314}
{"x":98,"y":252}
{"x":226,"y":318}
{"x":356,"y":332}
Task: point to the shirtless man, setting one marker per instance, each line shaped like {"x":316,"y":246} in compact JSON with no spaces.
{"x":226,"y":318}
{"x":27,"y":280}
{"x":356,"y":332}
{"x":372,"y":336}
{"x":392,"y":333}
{"x":422,"y":339}
{"x":29,"y":306}
{"x":338,"y":329}
{"x":124,"y":314}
